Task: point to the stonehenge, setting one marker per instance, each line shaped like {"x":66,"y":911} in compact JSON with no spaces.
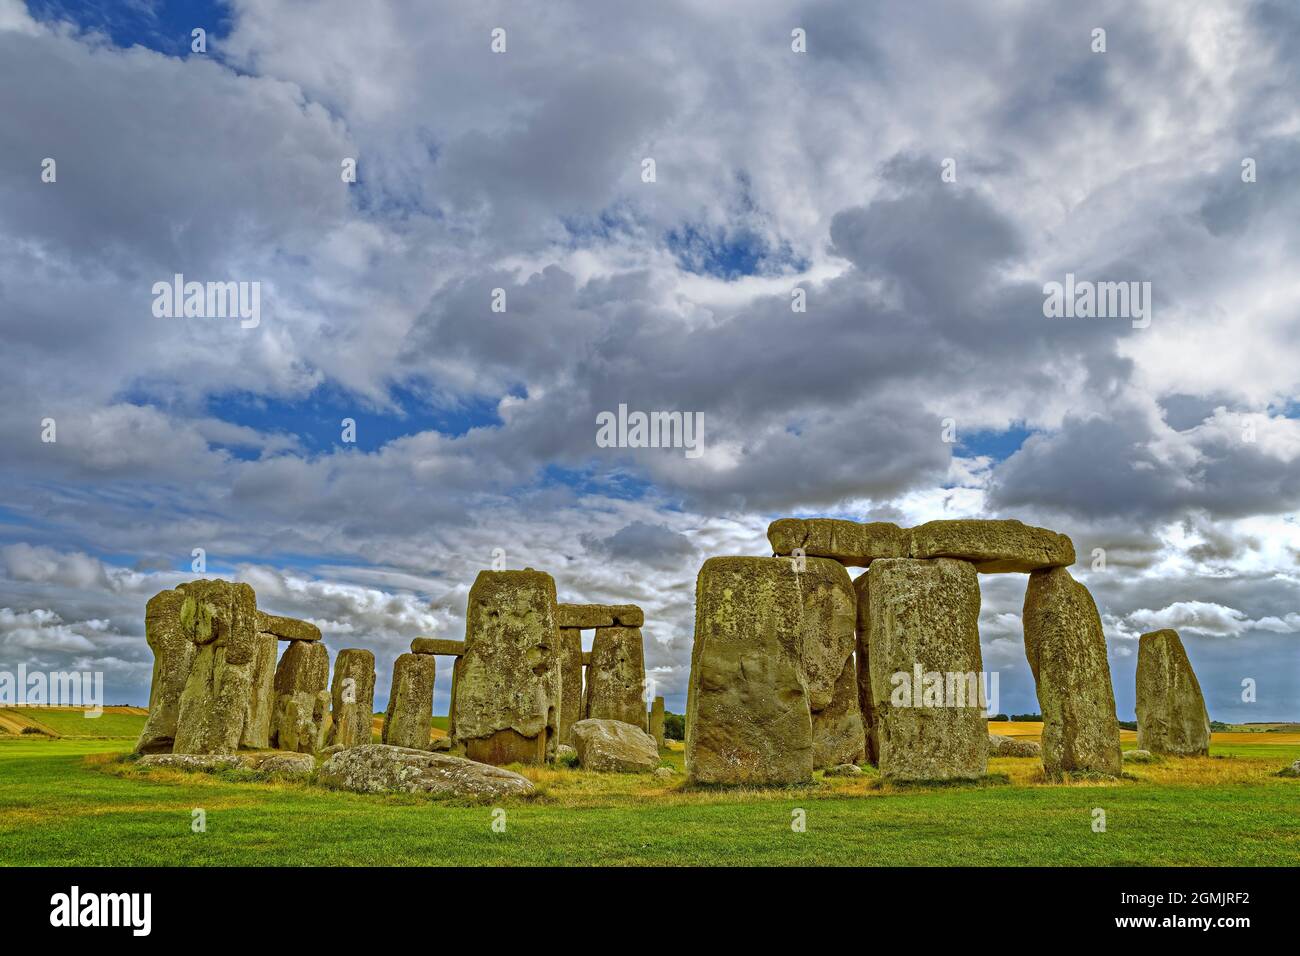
{"x":616,"y":677}
{"x":409,"y":718}
{"x":302,"y":698}
{"x":657,"y":721}
{"x":1171,"y":713}
{"x":352,"y":698}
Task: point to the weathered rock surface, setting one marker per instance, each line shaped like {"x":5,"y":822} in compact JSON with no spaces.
{"x":204,"y":763}
{"x":409,"y":717}
{"x":292,"y":765}
{"x":748,"y":720}
{"x":1171,"y":713}
{"x":572,"y":697}
{"x":302,"y":699}
{"x":616,"y":676}
{"x":849,"y":542}
{"x":1292,"y":771}
{"x":664,"y":774}
{"x":843,"y":770}
{"x":437,"y":645}
{"x":924,"y":625}
{"x":508,"y":688}
{"x":1140,"y":756}
{"x":1067,"y":654}
{"x":221,"y":619}
{"x":173,"y":653}
{"x":352,"y":698}
{"x":838,"y":734}
{"x":657,"y":720}
{"x":588,"y":616}
{"x":1002,"y":746}
{"x":827,"y":635}
{"x":612,"y":746}
{"x":993,"y":546}
{"x":862,"y":663}
{"x":287,"y":628}
{"x":261,"y":700}
{"x":379,"y":768}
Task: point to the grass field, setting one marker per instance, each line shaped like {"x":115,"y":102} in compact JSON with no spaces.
{"x":71,"y":801}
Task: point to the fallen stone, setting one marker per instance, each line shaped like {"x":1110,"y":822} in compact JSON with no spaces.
{"x":843,"y":770}
{"x":295,"y":766}
{"x":1001,"y":746}
{"x":1291,"y":771}
{"x":616,"y":676}
{"x":664,"y":773}
{"x":409,"y":718}
{"x":173,"y":654}
{"x":1067,"y":655}
{"x":612,"y":746}
{"x":221,"y":619}
{"x":657,"y":720}
{"x":993,"y":546}
{"x":302,"y":699}
{"x":1140,"y":756}
{"x":352,"y":698}
{"x":204,"y":763}
{"x":287,"y":628}
{"x":849,"y":542}
{"x":588,"y":616}
{"x":572,"y":697}
{"x":441,"y":646}
{"x":1171,"y":713}
{"x":441,"y":745}
{"x":379,"y":768}
{"x":565,"y":753}
{"x":925,"y":643}
{"x":274,"y":763}
{"x":748,"y":720}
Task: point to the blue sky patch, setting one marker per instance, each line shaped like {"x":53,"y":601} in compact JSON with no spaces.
{"x":163,"y":25}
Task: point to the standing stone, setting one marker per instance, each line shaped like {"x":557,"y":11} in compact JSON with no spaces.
{"x":352,"y":698}
{"x":173,"y":654}
{"x":924,"y":643}
{"x":221,"y":618}
{"x":409,"y":718}
{"x":302,"y":697}
{"x":828,"y":623}
{"x":1170,"y":709}
{"x":616,"y":676}
{"x":451,"y":705}
{"x":261,"y":701}
{"x":657,"y":721}
{"x":747,"y":714}
{"x":862,"y":664}
{"x":508,"y":690}
{"x":1067,"y":654}
{"x":572,"y":706}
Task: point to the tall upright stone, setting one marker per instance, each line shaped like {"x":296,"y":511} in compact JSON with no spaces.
{"x":924,"y":642}
{"x":828,"y":623}
{"x":173,"y":653}
{"x":616,"y":676}
{"x":508,"y":689}
{"x":221,"y":618}
{"x":302,"y":698}
{"x":748,"y":720}
{"x":1067,"y":654}
{"x":261,"y":700}
{"x":657,"y":721}
{"x":572,"y":698}
{"x":862,"y":665}
{"x":1171,"y":714}
{"x":352,"y":698}
{"x":409,"y":718}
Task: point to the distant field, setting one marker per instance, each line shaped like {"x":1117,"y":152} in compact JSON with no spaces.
{"x":72,"y":722}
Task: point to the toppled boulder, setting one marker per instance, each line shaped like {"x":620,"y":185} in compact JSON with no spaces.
{"x":352,"y":698}
{"x":993,"y":546}
{"x":1291,"y":771}
{"x":1140,"y":756}
{"x":1171,"y":714}
{"x":849,"y":542}
{"x":441,"y":646}
{"x":287,"y":628}
{"x":173,"y":654}
{"x":302,"y":698}
{"x":664,"y":774}
{"x":843,"y":770}
{"x":616,"y":676}
{"x":290,"y":765}
{"x":409,"y":718}
{"x":295,"y":766}
{"x":379,"y":768}
{"x":588,"y":616}
{"x":613,"y":746}
{"x":1067,"y":654}
{"x":1002,"y":746}
{"x":748,"y":720}
{"x":221,"y":619}
{"x":203,"y":763}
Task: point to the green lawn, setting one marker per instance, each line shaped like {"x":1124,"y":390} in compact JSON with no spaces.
{"x":60,"y":804}
{"x":72,"y":723}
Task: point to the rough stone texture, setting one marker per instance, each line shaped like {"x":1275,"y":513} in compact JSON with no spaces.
{"x":613,"y":746}
{"x":843,"y":770}
{"x":409,"y":717}
{"x":572,"y":700}
{"x":747,"y":717}
{"x":302,"y":699}
{"x":588,"y":616}
{"x":1140,"y":756}
{"x":437,"y":645}
{"x":838,"y":734}
{"x":221,"y":618}
{"x":657,"y":720}
{"x":441,"y":745}
{"x":616,"y":676}
{"x":205,"y":763}
{"x":1171,"y":713}
{"x":1292,"y":771}
{"x":352,"y":698}
{"x":849,"y":542}
{"x":828,"y":623}
{"x":1001,"y":746}
{"x":379,"y":768}
{"x":586,"y":658}
{"x":279,"y":764}
{"x":173,"y":654}
{"x":508,"y":689}
{"x":451,"y":707}
{"x":924,"y":614}
{"x":862,"y":664}
{"x":287,"y":628}
{"x":1067,"y":654}
{"x":292,"y":765}
{"x":261,"y":700}
{"x":664,"y":773}
{"x":566,"y":753}
{"x":993,"y":546}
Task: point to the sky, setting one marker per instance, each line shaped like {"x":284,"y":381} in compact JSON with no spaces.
{"x":919,"y":173}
